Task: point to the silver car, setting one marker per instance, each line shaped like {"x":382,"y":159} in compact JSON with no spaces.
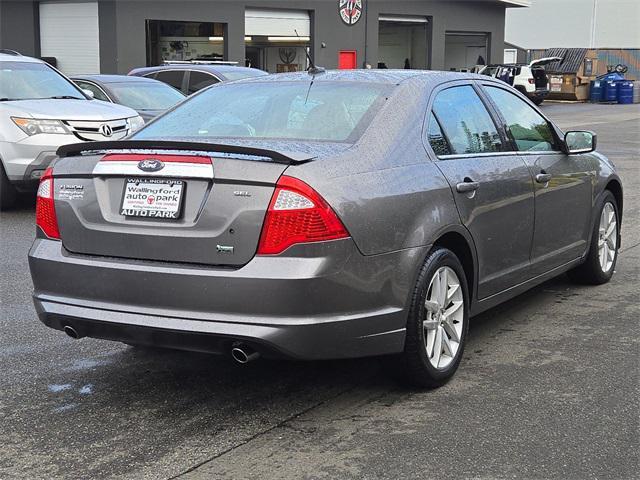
{"x":335,"y":215}
{"x":40,"y":110}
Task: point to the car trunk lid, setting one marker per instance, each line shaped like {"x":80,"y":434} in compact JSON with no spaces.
{"x":208,"y":202}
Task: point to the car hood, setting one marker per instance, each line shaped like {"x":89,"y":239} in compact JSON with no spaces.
{"x":71,"y":109}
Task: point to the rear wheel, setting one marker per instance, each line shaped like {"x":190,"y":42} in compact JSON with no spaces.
{"x":600,"y":262}
{"x":438,"y":322}
{"x":8,"y":193}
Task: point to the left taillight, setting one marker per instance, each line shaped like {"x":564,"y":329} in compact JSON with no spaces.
{"x":532,"y":81}
{"x":45,"y":208}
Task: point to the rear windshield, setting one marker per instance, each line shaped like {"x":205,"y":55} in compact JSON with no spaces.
{"x":329,"y":111}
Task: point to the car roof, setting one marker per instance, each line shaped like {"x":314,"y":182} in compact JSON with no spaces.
{"x":102,"y":78}
{"x":391,"y":77}
{"x":215,"y":69}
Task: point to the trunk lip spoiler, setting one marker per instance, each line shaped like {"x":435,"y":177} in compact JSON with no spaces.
{"x":287,"y":158}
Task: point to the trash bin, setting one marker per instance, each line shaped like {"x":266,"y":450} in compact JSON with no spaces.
{"x":596,"y":91}
{"x":625,"y":91}
{"x":610,"y":91}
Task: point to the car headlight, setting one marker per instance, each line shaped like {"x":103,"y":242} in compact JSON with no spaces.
{"x":32,"y":126}
{"x":135,"y":123}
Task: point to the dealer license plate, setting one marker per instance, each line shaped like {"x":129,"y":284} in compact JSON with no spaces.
{"x":152,"y":198}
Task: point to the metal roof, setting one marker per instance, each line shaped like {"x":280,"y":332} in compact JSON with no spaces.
{"x":572,"y":59}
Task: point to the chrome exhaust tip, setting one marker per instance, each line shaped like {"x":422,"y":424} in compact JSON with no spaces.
{"x":69,"y":330}
{"x":244,"y":354}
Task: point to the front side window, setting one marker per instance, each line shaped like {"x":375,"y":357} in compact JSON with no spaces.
{"x":34,"y":81}
{"x":526,"y":127}
{"x":465,"y":121}
{"x":323,"y":111}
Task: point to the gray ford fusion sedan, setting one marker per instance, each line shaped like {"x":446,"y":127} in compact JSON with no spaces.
{"x":334,"y":215}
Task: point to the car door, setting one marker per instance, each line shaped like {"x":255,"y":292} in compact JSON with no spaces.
{"x":493,"y":189}
{"x":563,"y":183}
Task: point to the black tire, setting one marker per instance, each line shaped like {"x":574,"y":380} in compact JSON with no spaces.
{"x":538,"y":101}
{"x":590,"y":272}
{"x":8,"y":193}
{"x":415,"y":367}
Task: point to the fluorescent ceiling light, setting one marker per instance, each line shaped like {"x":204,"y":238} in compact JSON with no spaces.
{"x":288,"y":39}
{"x":216,"y":39}
{"x":248,"y":39}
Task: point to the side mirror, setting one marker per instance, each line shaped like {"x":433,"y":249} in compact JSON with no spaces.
{"x":580,"y":142}
{"x":88,"y":93}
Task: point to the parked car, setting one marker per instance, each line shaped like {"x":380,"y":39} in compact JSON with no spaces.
{"x":338,"y":215}
{"x":41,"y":109}
{"x":148,"y":97}
{"x":190,"y":77}
{"x":530,"y":79}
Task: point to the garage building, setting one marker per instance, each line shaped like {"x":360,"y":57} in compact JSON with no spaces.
{"x":114,"y":36}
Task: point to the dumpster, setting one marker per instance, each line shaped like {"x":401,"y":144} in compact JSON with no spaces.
{"x":610,"y":91}
{"x":596,"y":91}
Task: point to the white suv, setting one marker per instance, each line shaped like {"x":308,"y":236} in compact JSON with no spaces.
{"x":531,"y":79}
{"x":40,"y":110}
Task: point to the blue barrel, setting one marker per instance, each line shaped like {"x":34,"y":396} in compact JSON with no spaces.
{"x":596,"y":91}
{"x":610,"y":91}
{"x":625,"y":91}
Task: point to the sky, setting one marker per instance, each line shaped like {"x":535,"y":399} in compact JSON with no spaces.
{"x":569,"y":23}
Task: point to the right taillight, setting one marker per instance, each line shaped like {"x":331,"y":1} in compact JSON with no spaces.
{"x":45,"y":209}
{"x":297,"y":214}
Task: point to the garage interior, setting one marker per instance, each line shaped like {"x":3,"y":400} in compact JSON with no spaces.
{"x":277,"y":40}
{"x":175,"y":41}
{"x":403,"y":42}
{"x":465,"y":50}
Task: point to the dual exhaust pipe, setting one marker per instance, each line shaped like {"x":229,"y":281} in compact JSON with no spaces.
{"x":240,"y":352}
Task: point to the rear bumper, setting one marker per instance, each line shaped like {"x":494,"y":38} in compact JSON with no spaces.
{"x":330,"y":303}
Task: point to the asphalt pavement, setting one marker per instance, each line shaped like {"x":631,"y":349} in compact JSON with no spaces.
{"x":549,"y":387}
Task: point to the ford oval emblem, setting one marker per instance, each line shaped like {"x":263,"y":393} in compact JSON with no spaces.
{"x":150,"y":165}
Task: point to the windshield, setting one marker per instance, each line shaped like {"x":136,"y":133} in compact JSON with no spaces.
{"x":330,"y":111}
{"x":28,"y":81}
{"x":145,"y":95}
{"x":241,"y":73}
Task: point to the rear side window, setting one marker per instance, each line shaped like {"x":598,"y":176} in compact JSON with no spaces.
{"x":526,"y":127}
{"x":465,"y":121}
{"x":199,"y":80}
{"x":171,"y":77}
{"x":436,"y":138}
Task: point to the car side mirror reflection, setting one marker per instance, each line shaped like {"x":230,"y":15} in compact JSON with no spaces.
{"x":580,"y":142}
{"x":88,"y":93}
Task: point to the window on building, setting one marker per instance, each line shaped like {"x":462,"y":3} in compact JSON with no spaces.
{"x":526,"y":127}
{"x":465,"y":121}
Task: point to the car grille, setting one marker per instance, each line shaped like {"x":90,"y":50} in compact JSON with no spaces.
{"x":91,"y":130}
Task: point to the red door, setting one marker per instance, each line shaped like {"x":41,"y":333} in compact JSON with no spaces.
{"x":347,"y":60}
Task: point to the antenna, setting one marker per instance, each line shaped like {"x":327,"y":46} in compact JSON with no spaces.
{"x":313,"y":70}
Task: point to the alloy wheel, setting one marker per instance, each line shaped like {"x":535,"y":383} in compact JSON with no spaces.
{"x":444,"y":318}
{"x":607,"y":237}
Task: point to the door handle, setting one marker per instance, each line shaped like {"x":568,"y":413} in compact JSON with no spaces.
{"x":467,"y":186}
{"x":543,"y":177}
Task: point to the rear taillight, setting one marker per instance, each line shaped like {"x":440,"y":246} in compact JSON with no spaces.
{"x":532,"y":81}
{"x":45,"y":208}
{"x":297,"y":214}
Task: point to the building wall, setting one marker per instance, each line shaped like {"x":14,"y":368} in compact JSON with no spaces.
{"x":123,"y":37}
{"x":575,"y":24}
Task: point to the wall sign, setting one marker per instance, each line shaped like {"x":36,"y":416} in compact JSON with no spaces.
{"x":350,"y":11}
